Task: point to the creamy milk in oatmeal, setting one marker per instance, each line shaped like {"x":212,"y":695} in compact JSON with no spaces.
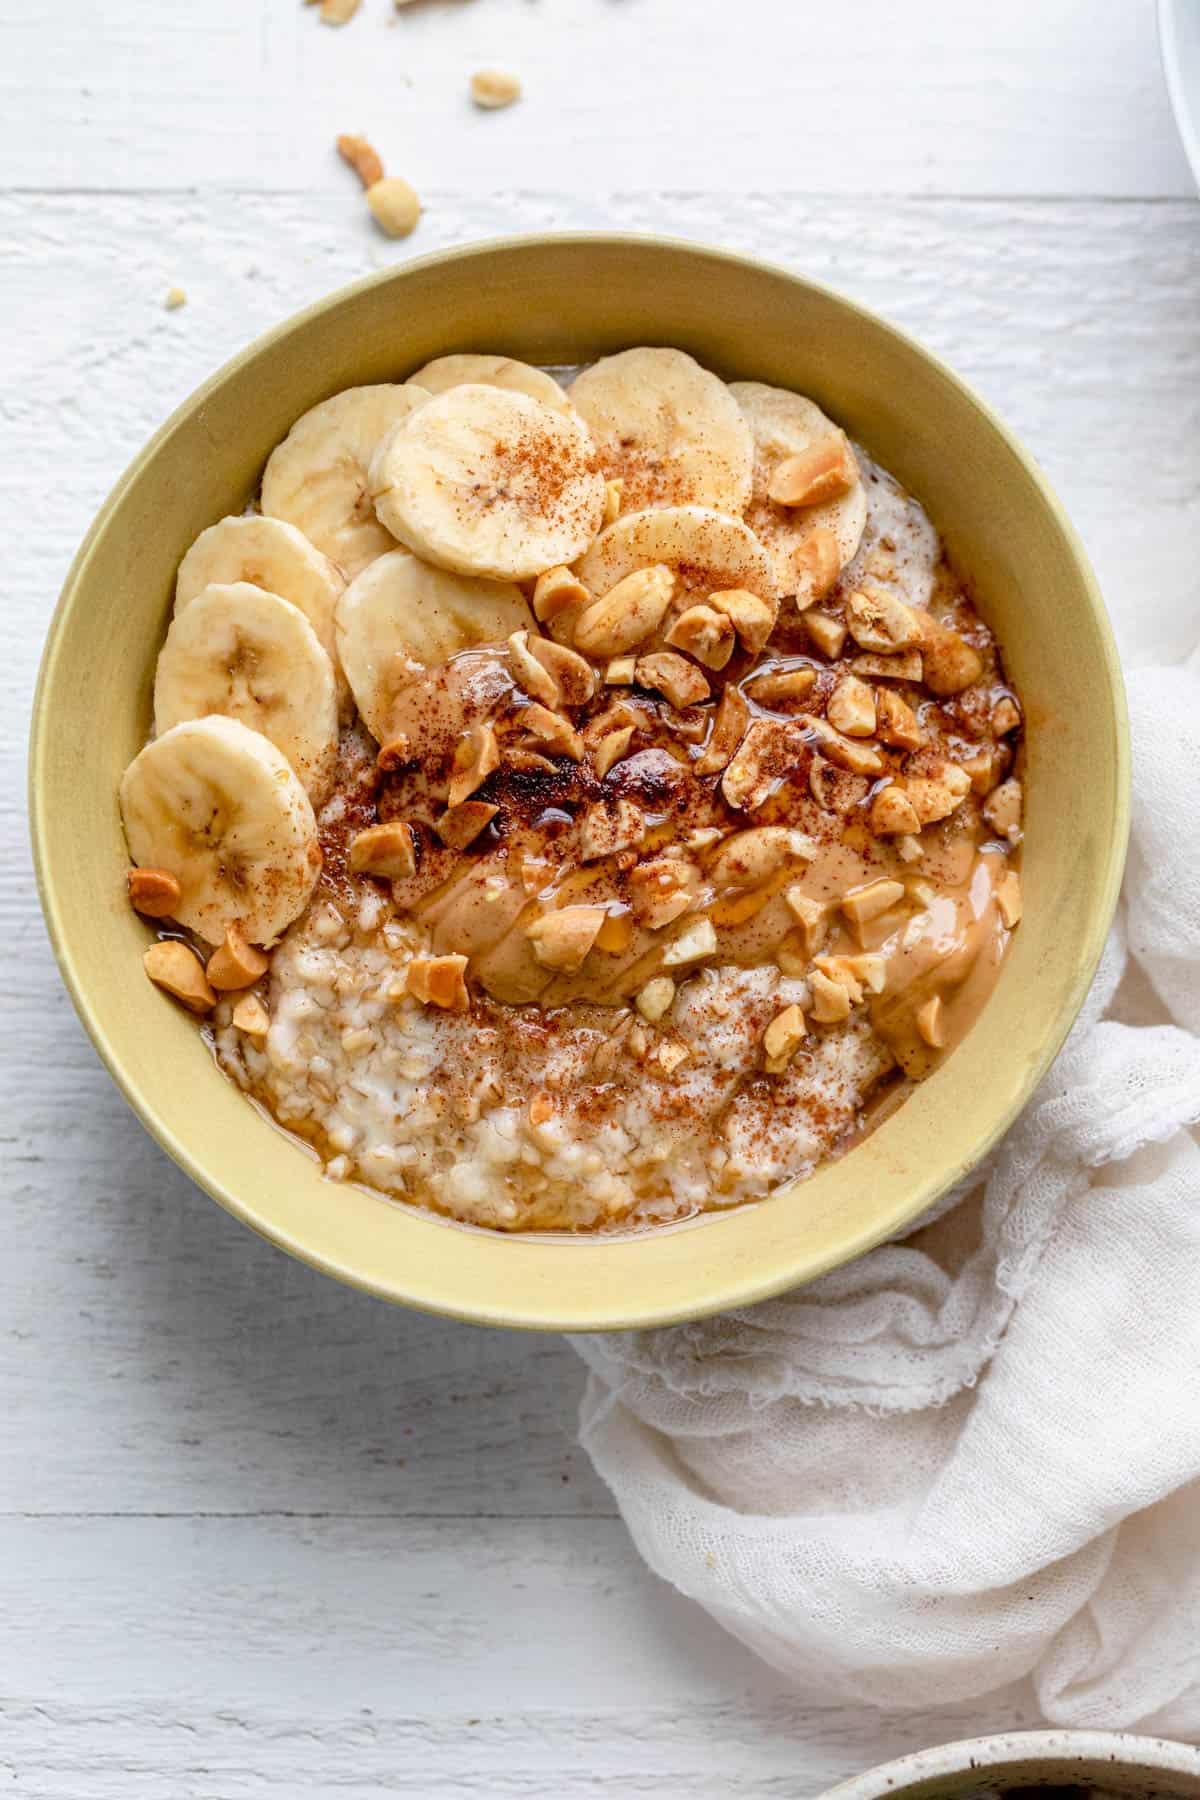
{"x":591,"y":804}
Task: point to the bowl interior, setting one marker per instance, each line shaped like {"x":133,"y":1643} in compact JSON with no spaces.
{"x":564,"y":300}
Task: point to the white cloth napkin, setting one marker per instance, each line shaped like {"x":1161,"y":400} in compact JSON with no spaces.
{"x":975,"y":1456}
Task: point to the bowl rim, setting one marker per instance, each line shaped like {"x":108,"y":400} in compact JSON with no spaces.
{"x":1187,"y":115}
{"x":1020,"y":1750}
{"x":746,"y":1289}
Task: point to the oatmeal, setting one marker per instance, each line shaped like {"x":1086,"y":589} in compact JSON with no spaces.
{"x":593,"y":806}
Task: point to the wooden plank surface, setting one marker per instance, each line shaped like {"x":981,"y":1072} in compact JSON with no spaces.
{"x":948,"y":96}
{"x":258,"y":1534}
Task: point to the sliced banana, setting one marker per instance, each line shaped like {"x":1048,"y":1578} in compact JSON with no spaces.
{"x":217,"y":805}
{"x":668,"y":429}
{"x":783,"y":425}
{"x":250,"y":655}
{"x":270,"y":554}
{"x":317,"y":478}
{"x":485,"y":481}
{"x":446,"y":372}
{"x":401,"y":616}
{"x":709,"y":552}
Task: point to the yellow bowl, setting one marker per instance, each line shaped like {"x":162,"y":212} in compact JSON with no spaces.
{"x":562,"y":300}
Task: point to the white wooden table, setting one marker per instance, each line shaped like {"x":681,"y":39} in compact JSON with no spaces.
{"x":260,"y":1535}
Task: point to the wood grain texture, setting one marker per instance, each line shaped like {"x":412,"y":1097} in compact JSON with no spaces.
{"x":260,"y":1535}
{"x":949,"y":96}
{"x":201,"y":1657}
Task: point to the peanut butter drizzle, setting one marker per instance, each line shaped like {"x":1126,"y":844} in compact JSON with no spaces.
{"x":530,"y":859}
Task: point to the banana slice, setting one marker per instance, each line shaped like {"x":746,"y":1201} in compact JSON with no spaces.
{"x":485,"y":481}
{"x":401,"y":616}
{"x":217,"y":805}
{"x":783,"y":425}
{"x":709,"y":552}
{"x":269,"y":554}
{"x":446,"y":372}
{"x":317,"y":478}
{"x":668,"y":429}
{"x":250,"y":655}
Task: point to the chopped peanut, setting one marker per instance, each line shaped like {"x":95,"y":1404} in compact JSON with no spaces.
{"x":931,"y":800}
{"x":752,"y":617}
{"x":823,"y":472}
{"x":180,"y":973}
{"x":611,"y":749}
{"x":552,"y":729}
{"x":694,"y":943}
{"x":1002,"y":809}
{"x":1008,"y":898}
{"x":981,"y":769}
{"x":494,"y":88}
{"x":573,"y":676}
{"x":878,"y":621}
{"x":1006,"y":716}
{"x":893,"y":813}
{"x":251,"y":1016}
{"x":729,"y":725}
{"x":811,"y":915}
{"x":851,"y":707}
{"x":627,"y":614}
{"x":855,"y":973}
{"x":439,"y":981}
{"x":782,"y":1039}
{"x":705,"y":634}
{"x":529,"y":672}
{"x":476,"y":756}
{"x":779,"y":688}
{"x":950,"y":662}
{"x":606,"y":833}
{"x":362,"y":157}
{"x":930,"y":1023}
{"x":461,"y":825}
{"x":337,"y":12}
{"x":385,"y":851}
{"x":155,"y":893}
{"x":826,"y":634}
{"x":846,"y":753}
{"x":896,"y":722}
{"x":817,"y":564}
{"x":671,"y":1055}
{"x":394,"y":206}
{"x":830,"y":1000}
{"x":656,"y":999}
{"x":764,"y":759}
{"x":394,"y":753}
{"x":561,"y":940}
{"x":235,"y":963}
{"x":862,"y":904}
{"x":673,"y":676}
{"x":558,"y":594}
{"x":899,"y":665}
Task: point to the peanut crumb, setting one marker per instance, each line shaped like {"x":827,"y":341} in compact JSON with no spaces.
{"x":394,"y":206}
{"x":362,"y":157}
{"x":494,"y":88}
